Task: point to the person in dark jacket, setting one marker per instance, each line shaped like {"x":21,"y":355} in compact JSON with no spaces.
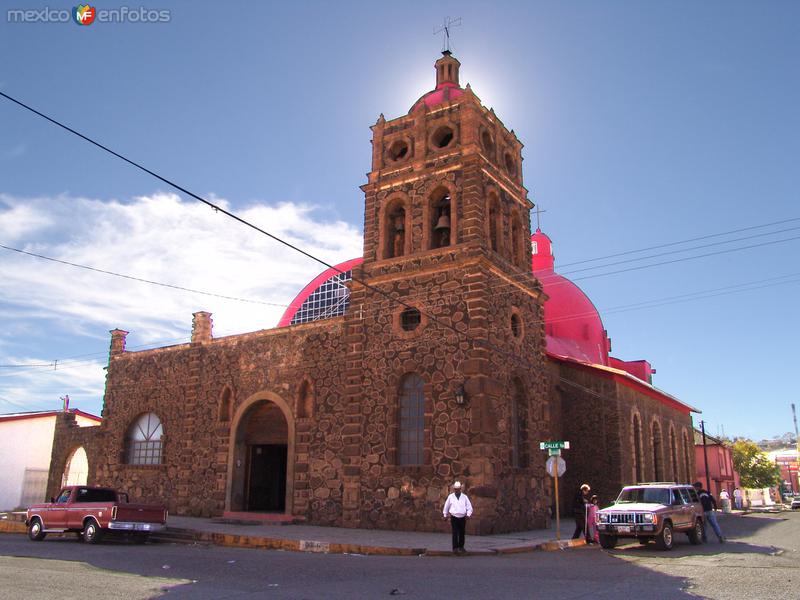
{"x":579,"y":509}
{"x":709,"y":506}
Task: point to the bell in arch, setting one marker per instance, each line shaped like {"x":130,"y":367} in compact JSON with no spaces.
{"x":443,"y":222}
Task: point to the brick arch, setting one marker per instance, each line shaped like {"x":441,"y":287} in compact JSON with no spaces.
{"x":72,"y":477}
{"x":236,"y":460}
{"x":430,"y":214}
{"x":386,"y":226}
{"x":226,"y":400}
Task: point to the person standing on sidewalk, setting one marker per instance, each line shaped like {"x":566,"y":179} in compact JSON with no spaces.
{"x":737,"y":498}
{"x":458,"y":508}
{"x":709,"y":506}
{"x":579,"y":509}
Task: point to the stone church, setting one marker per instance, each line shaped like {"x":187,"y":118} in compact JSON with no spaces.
{"x":448,"y":351}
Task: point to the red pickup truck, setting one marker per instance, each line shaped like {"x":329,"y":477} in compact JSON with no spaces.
{"x":91,"y":512}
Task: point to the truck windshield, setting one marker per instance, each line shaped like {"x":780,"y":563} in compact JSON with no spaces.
{"x":644,"y":495}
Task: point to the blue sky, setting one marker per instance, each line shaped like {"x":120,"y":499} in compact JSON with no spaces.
{"x":644,"y":124}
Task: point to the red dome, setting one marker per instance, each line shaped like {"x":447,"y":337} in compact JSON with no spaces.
{"x":443,"y":92}
{"x":572,"y":323}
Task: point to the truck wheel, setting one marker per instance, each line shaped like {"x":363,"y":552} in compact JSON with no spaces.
{"x":35,"y":532}
{"x":696,"y":534}
{"x":92,"y":532}
{"x":664,"y":539}
{"x":607,"y":541}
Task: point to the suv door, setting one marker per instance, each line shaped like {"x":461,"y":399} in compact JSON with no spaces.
{"x":688,"y":507}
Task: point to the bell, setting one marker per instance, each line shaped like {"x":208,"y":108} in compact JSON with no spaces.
{"x":443,"y":223}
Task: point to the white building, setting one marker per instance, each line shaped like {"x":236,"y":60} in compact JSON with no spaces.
{"x":26,"y":443}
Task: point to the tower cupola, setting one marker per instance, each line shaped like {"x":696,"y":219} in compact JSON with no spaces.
{"x":447,"y":70}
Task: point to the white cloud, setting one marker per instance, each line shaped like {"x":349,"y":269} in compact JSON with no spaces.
{"x":158,"y":237}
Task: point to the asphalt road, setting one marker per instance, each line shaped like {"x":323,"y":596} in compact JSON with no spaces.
{"x":760,"y":561}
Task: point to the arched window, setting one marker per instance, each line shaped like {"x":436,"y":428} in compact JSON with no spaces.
{"x":673,"y":452}
{"x":144,"y":441}
{"x":638,"y":471}
{"x":305,"y":400}
{"x":493,"y":215}
{"x":658,"y":467}
{"x":411,"y":434}
{"x":394,"y":228}
{"x":518,"y":427}
{"x":225,"y":404}
{"x":440,"y":234}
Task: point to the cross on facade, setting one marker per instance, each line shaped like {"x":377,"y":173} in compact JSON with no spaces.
{"x":447,"y":24}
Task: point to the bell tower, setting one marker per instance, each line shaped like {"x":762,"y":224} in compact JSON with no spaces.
{"x":448,"y":333}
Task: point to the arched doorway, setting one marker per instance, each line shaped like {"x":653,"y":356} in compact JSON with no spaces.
{"x":76,"y":469}
{"x":261,"y":465}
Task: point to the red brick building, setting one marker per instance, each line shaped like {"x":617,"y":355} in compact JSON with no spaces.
{"x":437,"y":355}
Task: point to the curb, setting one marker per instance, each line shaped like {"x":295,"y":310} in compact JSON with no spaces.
{"x":12,"y":527}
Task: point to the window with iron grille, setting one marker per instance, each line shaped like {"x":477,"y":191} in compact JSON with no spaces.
{"x":144,"y":441}
{"x":330,"y":299}
{"x":411,"y":435}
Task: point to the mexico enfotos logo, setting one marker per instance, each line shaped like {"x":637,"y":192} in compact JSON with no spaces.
{"x":85,"y":14}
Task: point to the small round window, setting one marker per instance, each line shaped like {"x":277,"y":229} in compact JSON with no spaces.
{"x":410,"y":319}
{"x":442,"y":137}
{"x":398,"y":150}
{"x":516,"y":325}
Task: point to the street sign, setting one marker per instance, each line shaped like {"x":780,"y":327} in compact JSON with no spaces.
{"x":551,"y":466}
{"x":554,"y":445}
{"x":554,"y":451}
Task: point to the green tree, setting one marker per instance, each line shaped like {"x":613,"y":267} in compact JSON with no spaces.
{"x":754,"y":468}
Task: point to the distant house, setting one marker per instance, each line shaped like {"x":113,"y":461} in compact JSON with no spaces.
{"x":721,"y":474}
{"x":786,"y":459}
{"x":26,"y":445}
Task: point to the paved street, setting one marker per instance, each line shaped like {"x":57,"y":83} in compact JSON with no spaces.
{"x":760,"y":561}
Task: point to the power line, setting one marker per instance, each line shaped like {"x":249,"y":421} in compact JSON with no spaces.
{"x":686,"y":241}
{"x":133,"y":278}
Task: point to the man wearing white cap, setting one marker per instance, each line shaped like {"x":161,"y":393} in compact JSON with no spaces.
{"x":459,"y":509}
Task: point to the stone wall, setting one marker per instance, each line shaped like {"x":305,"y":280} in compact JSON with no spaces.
{"x":68,"y":437}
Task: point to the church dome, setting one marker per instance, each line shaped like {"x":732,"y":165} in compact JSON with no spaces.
{"x":572,"y":324}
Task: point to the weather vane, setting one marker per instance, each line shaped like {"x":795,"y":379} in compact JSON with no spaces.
{"x":447,"y":24}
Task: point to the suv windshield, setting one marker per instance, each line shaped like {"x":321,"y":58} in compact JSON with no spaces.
{"x":645,"y":495}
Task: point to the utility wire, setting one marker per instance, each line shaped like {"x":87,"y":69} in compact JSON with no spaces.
{"x":686,"y":241}
{"x":133,"y":278}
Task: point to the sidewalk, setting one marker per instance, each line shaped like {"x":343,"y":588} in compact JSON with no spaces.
{"x":310,"y":538}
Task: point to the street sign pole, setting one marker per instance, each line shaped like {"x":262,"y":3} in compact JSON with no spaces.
{"x":558,"y":515}
{"x":554,"y":451}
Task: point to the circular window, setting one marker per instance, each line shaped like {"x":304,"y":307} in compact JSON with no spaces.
{"x":442,"y":137}
{"x":516,"y":325}
{"x":487,"y":142}
{"x":410,"y":319}
{"x":398,"y":150}
{"x":511,"y":166}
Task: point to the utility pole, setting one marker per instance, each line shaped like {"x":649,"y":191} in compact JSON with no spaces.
{"x":797,"y":443}
{"x":705,"y":456}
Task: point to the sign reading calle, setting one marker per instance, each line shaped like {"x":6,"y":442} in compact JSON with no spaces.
{"x":553,"y":445}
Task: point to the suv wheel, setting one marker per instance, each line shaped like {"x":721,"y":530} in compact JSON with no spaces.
{"x":664,"y":539}
{"x":607,"y":541}
{"x":696,"y":534}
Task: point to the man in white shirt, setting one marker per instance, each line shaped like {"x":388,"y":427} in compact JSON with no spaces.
{"x":458,"y":508}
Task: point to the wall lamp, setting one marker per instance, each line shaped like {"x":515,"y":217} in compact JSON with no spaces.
{"x":461,"y":396}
